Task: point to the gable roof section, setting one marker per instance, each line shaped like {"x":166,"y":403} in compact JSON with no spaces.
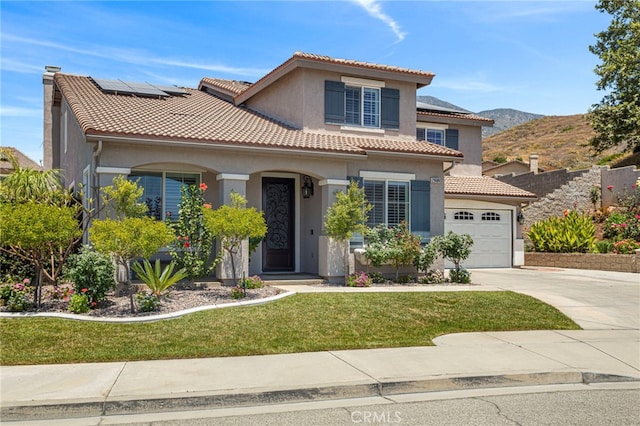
{"x":453,"y":117}
{"x":484,"y":186}
{"x":198,"y":117}
{"x":6,"y":163}
{"x":346,"y":66}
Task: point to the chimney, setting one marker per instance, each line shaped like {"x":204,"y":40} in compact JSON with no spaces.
{"x":533,"y":163}
{"x":48,"y":122}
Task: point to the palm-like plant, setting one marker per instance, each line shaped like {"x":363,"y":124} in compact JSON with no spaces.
{"x":158,"y":281}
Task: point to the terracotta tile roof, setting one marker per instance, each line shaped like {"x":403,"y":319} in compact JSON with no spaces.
{"x":458,"y":115}
{"x":6,"y":165}
{"x":233,"y":87}
{"x":421,"y":78}
{"x":483,"y":185}
{"x":200,"y":117}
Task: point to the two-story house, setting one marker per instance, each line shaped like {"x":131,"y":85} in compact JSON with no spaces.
{"x":287,"y":143}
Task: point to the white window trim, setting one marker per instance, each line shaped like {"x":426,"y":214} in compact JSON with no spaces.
{"x":386,"y":181}
{"x":387,"y":176}
{"x":434,"y":126}
{"x":353,"y":81}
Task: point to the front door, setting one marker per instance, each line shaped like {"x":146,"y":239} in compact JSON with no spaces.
{"x":278,"y":204}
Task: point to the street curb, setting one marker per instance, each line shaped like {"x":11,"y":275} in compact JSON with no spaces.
{"x":77,"y":409}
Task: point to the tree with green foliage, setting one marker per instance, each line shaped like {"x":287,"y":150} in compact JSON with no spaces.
{"x":397,"y":246}
{"x":42,"y":234}
{"x":616,"y":119}
{"x":123,"y":198}
{"x":455,"y":248}
{"x":233,"y":224}
{"x":347,"y":216}
{"x":193,"y":242}
{"x":129,"y":238}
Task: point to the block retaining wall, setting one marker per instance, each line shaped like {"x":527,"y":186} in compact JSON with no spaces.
{"x":591,"y":261}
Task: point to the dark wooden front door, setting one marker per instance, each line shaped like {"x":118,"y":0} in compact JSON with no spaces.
{"x":278,"y":203}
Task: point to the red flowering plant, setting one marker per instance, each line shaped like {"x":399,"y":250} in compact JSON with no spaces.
{"x":624,"y":222}
{"x":193,"y":245}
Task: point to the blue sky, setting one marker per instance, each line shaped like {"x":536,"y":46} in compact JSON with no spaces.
{"x":528,"y":55}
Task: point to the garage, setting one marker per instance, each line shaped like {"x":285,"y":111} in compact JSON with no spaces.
{"x":491,"y":231}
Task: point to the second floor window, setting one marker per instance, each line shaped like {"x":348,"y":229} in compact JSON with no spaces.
{"x":373,"y":107}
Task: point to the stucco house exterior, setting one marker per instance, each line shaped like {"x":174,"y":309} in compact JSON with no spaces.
{"x":287,"y":143}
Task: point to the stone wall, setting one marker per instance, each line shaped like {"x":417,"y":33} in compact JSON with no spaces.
{"x":541,"y":184}
{"x":590,"y":261}
{"x":574,"y":195}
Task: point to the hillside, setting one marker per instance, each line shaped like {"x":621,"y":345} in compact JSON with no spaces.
{"x":560,"y":141}
{"x":505,"y":118}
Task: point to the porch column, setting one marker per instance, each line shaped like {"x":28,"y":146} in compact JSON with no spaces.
{"x":330,"y":251}
{"x":227,"y":183}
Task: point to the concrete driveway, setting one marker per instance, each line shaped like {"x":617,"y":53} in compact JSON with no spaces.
{"x":596,"y":300}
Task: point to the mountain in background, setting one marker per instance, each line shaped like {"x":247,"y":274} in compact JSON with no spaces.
{"x":504,"y":118}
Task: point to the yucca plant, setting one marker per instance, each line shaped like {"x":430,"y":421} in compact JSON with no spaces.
{"x":158,"y":281}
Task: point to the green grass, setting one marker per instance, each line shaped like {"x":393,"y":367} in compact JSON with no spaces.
{"x":300,"y":323}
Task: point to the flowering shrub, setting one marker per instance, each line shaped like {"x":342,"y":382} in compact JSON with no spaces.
{"x":61,"y":292}
{"x":14,"y":296}
{"x":253,"y":282}
{"x":461,"y":276}
{"x":79,"y":303}
{"x":193,"y":244}
{"x":627,"y":246}
{"x":147,"y":302}
{"x":433,"y":276}
{"x":238,"y":292}
{"x":572,"y":233}
{"x":358,"y":280}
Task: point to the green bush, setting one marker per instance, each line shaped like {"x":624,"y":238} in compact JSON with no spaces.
{"x":158,"y":280}
{"x":79,"y":303}
{"x":238,"y":292}
{"x":433,"y":276}
{"x":147,"y":302}
{"x":14,"y":268}
{"x":604,"y":246}
{"x":397,"y":246}
{"x":253,"y":282}
{"x":92,"y":271}
{"x":461,"y":276}
{"x":573,"y":233}
{"x":424,"y":260}
{"x":377,"y":277}
{"x":358,"y":280}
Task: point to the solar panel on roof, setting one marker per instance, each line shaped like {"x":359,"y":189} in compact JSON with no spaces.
{"x":138,"y":89}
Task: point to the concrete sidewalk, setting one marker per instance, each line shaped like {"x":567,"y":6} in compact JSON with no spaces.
{"x":459,"y":361}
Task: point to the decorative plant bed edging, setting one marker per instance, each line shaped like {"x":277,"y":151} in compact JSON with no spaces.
{"x":601,"y":262}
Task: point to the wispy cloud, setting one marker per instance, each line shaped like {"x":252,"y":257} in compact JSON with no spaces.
{"x":374,"y":8}
{"x":476,"y":84}
{"x":12,"y":111}
{"x":135,"y":57}
{"x":540,"y":10}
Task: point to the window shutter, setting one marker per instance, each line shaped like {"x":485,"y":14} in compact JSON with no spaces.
{"x":451,"y":138}
{"x":389,"y":108}
{"x":421,"y":134}
{"x":420,"y":208}
{"x":334,"y":102}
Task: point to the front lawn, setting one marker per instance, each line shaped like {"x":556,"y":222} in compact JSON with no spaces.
{"x":300,"y":323}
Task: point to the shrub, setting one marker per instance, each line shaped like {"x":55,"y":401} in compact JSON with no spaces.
{"x":424,"y":260}
{"x":397,"y":246}
{"x":61,"y":292}
{"x":238,"y":292}
{"x":253,"y":282}
{"x":14,"y":267}
{"x":453,"y":247}
{"x":15,"y":296}
{"x":147,"y":302}
{"x":377,"y":277}
{"x":358,"y":280}
{"x":573,"y":233}
{"x":626,"y":246}
{"x":158,"y":280}
{"x":604,"y":246}
{"x":92,"y":271}
{"x":434,"y":276}
{"x":461,"y":276}
{"x":79,"y":303}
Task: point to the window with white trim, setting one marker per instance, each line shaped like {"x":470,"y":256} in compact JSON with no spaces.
{"x":162,"y":191}
{"x":362,"y":106}
{"x":362,"y":103}
{"x":390,"y":201}
{"x":431,"y":135}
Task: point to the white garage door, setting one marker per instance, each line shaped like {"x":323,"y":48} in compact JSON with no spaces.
{"x":491,"y":233}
